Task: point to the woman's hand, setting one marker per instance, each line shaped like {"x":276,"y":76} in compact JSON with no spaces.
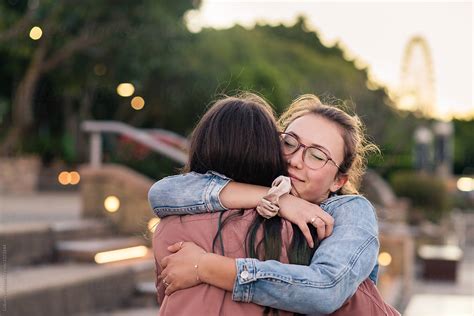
{"x":302,"y":213}
{"x":180,"y":269}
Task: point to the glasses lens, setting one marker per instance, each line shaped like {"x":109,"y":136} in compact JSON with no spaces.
{"x":315,"y":158}
{"x":289,"y":144}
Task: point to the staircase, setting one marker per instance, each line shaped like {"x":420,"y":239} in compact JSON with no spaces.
{"x":51,"y":268}
{"x":64,"y":255}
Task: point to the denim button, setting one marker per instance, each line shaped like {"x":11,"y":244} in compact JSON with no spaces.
{"x":244,"y":275}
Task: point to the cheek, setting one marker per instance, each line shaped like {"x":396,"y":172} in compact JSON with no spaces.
{"x":319,"y":182}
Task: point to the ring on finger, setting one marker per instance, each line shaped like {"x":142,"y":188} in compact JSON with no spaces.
{"x":165,"y":283}
{"x":181,"y":244}
{"x":313,"y":220}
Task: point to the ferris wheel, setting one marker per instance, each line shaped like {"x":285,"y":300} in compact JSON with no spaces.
{"x":417,"y":89}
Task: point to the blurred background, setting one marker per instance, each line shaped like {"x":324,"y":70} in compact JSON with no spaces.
{"x":97,"y":99}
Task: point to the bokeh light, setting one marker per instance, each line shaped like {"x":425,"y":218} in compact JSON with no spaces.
{"x":137,"y":103}
{"x":465,"y":184}
{"x":385,"y":259}
{"x":35,"y":33}
{"x":125,"y":89}
{"x":112,"y":203}
{"x":121,"y":254}
{"x":152,"y":223}
{"x":64,"y":178}
{"x":75,"y":177}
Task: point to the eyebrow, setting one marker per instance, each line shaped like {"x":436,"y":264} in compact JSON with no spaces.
{"x":326,"y":151}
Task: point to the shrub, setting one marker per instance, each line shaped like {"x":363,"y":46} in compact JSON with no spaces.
{"x":428,"y":194}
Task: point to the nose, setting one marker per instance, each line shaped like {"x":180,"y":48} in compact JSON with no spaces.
{"x":295,"y":160}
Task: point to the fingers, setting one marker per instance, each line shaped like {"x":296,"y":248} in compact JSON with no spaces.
{"x":320,"y":227}
{"x":176,"y":246}
{"x":328,"y":221}
{"x":170,"y":289}
{"x":164,"y":274}
{"x":307,"y":234}
{"x":164,"y":262}
{"x":167,"y":281}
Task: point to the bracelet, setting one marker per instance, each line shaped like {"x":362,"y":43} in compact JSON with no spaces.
{"x":268,"y":205}
{"x":196,"y":266}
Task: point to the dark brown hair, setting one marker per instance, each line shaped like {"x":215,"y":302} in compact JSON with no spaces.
{"x":238,"y":137}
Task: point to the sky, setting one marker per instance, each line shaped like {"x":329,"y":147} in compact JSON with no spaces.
{"x":375,"y":33}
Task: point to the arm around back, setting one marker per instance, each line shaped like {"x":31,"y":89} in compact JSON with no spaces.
{"x":340,"y":264}
{"x":190,"y":193}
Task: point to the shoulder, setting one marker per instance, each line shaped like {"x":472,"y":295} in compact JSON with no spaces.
{"x":348,"y":203}
{"x":351,"y":210}
{"x":339,"y":200}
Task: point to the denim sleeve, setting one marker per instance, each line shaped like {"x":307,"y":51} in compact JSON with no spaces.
{"x":342,"y":262}
{"x":190,"y":193}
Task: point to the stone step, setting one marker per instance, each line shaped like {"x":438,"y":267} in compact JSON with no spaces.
{"x":145,"y":294}
{"x":86,"y":250}
{"x":31,"y":243}
{"x":81,"y":229}
{"x":145,"y":276}
{"x":71,"y":288}
{"x":27,"y":243}
{"x":146,"y":288}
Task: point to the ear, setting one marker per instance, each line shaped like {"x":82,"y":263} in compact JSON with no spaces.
{"x":338,"y":182}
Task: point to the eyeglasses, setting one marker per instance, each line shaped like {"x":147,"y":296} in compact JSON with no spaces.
{"x":313,"y":156}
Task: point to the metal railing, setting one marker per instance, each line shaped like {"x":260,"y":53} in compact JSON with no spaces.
{"x":144,"y":137}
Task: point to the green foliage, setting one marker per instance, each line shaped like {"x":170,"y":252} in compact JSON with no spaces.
{"x":428,"y":194}
{"x":179,"y":74}
{"x":464,"y":146}
{"x":123,"y":37}
{"x":270,"y":60}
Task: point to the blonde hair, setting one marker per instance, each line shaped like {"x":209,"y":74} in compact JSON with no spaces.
{"x":356,"y":145}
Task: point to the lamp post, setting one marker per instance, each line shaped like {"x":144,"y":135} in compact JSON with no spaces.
{"x":422,"y":152}
{"x":443,"y":148}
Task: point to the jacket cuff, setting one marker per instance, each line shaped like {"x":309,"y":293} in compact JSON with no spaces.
{"x":244,"y":285}
{"x":211,"y":194}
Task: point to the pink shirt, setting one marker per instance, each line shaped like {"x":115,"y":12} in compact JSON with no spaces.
{"x":205,"y":299}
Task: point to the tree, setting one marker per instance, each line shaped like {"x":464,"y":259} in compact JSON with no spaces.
{"x":71,"y":30}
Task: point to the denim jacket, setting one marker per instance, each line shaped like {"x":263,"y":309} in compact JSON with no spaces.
{"x":341,"y":262}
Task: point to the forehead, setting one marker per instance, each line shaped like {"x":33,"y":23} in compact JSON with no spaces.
{"x":317,"y":130}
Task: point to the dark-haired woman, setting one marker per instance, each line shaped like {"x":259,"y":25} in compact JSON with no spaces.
{"x":250,"y":155}
{"x":324,"y":148}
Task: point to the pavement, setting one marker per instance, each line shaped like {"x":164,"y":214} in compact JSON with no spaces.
{"x":444,"y":298}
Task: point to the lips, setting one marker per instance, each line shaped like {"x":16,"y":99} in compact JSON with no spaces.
{"x":293,"y":177}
